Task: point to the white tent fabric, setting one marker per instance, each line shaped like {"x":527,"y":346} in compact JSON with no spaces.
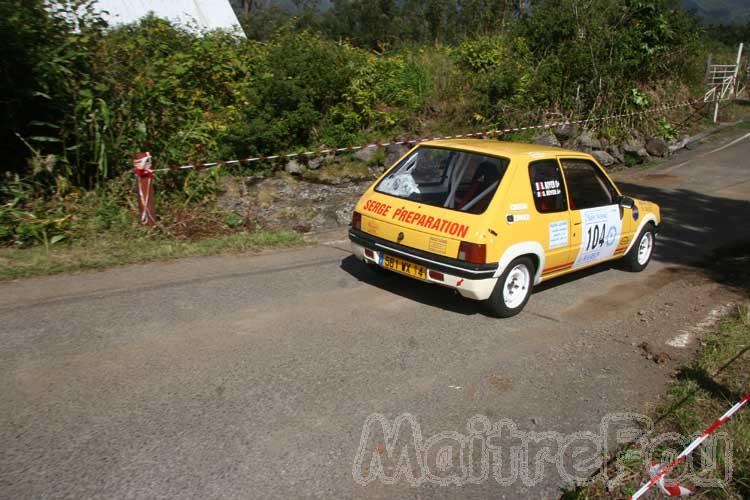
{"x":197,"y":15}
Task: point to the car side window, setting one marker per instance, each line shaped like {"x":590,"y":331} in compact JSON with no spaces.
{"x":547,"y":186}
{"x":587,"y":186}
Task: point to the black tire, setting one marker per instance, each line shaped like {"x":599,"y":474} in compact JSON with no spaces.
{"x":496,"y":305}
{"x":633,"y":260}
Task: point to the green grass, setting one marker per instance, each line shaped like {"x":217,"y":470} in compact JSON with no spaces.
{"x":701,"y":392}
{"x":110,"y":251}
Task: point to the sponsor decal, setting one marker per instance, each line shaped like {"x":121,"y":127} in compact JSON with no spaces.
{"x":635,"y":212}
{"x":547,"y":188}
{"x":376,"y":207}
{"x":371,"y":226}
{"x":602,"y":228}
{"x":519,"y":206}
{"x":418,"y":219}
{"x":611,"y":235}
{"x":558,"y":234}
{"x":437,"y":245}
{"x":522,"y":217}
{"x":429,"y":222}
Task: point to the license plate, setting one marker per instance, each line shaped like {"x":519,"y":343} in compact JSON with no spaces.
{"x":403,"y":267}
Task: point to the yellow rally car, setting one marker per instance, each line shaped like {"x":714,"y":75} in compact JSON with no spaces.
{"x":491,"y":219}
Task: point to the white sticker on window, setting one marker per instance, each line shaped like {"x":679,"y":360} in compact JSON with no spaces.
{"x":402,"y":185}
{"x":601,"y":231}
{"x":547,"y":188}
{"x":558,"y":234}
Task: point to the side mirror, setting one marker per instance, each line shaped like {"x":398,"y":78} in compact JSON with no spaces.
{"x":626,"y":202}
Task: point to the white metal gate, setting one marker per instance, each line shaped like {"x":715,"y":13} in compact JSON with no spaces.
{"x":722,"y":82}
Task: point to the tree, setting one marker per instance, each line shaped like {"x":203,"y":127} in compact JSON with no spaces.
{"x":370,"y":23}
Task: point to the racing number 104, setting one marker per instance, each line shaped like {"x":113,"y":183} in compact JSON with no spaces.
{"x":596,"y":236}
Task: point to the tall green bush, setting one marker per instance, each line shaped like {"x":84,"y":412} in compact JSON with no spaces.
{"x":92,"y":96}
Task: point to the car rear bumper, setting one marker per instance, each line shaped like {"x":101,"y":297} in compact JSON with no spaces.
{"x":471,"y":281}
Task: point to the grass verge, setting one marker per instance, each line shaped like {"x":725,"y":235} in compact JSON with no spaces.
{"x":701,"y":393}
{"x":112,"y":250}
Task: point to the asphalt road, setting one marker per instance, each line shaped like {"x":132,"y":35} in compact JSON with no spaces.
{"x":252,"y":376}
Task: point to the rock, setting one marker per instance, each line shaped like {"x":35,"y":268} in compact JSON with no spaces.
{"x":634,"y":152}
{"x":657,"y":147}
{"x":344,"y":214}
{"x":566,"y":131}
{"x":677,"y":145}
{"x":376,"y":171}
{"x":254,"y":179}
{"x":636,"y":134}
{"x":636,"y":141}
{"x":604,"y":158}
{"x":587,"y":142}
{"x":546,"y":138}
{"x":366,"y":154}
{"x":294,"y":167}
{"x":616,"y":153}
{"x":233,"y":192}
{"x":393,"y":152}
{"x":315,"y":163}
{"x":604,"y":143}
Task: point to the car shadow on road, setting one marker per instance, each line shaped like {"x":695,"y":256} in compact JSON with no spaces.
{"x":709,"y":233}
{"x":698,"y":230}
{"x":409,"y":288}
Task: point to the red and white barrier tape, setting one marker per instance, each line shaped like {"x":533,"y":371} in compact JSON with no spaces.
{"x":657,"y":477}
{"x":670,"y":490}
{"x":142,"y":170}
{"x":200,"y":166}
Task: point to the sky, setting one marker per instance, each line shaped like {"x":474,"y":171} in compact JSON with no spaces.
{"x":205,"y":14}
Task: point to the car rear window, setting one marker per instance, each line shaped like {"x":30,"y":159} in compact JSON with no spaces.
{"x":457,"y":180}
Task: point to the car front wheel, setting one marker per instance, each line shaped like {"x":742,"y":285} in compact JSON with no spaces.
{"x":512,"y":289}
{"x":640,"y":253}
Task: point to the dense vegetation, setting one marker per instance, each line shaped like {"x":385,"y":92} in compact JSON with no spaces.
{"x":79,"y":98}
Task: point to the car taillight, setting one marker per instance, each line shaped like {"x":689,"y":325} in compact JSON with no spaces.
{"x":476,"y":253}
{"x":356,"y":220}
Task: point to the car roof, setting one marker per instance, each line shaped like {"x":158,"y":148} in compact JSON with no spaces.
{"x":501,"y":148}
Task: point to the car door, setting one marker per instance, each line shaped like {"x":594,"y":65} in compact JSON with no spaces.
{"x":596,"y":216}
{"x":551,"y":204}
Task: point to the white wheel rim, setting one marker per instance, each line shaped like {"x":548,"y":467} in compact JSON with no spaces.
{"x":516,"y":286}
{"x":645,"y":247}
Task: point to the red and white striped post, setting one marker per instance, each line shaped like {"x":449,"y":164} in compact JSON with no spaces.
{"x":145,"y":181}
{"x":658,"y":472}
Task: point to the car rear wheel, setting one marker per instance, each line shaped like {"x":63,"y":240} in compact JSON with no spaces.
{"x":640,"y":253}
{"x":512,"y":289}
